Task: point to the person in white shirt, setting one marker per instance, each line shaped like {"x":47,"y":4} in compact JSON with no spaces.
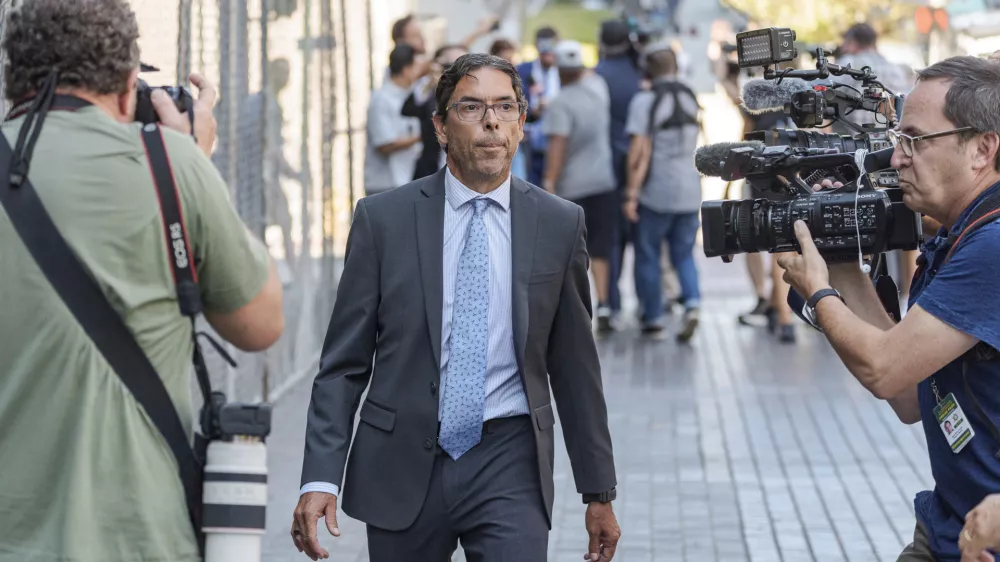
{"x":393,"y":143}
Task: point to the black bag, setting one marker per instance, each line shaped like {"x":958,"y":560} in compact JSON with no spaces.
{"x":101,"y":322}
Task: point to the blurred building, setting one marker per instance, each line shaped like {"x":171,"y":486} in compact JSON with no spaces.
{"x":976,"y":25}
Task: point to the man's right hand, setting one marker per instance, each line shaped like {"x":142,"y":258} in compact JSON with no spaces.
{"x":204,"y":117}
{"x":305,"y":535}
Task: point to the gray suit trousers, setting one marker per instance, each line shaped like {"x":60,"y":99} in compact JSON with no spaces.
{"x":490,"y":499}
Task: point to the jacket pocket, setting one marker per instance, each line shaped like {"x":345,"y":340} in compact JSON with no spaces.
{"x":378,"y":416}
{"x":546,"y":277}
{"x":544,"y":417}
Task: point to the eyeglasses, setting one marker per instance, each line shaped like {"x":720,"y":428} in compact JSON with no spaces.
{"x":476,"y":111}
{"x":906,"y":142}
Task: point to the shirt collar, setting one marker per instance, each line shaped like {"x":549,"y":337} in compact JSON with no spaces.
{"x":458,"y":195}
{"x":967,"y":213}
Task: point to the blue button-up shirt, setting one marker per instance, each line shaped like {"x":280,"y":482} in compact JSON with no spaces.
{"x":965,"y":295}
{"x":504,"y":391}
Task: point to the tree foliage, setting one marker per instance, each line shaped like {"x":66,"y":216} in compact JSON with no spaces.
{"x":824,"y":21}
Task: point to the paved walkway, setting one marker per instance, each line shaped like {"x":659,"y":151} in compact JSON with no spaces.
{"x":733,"y":448}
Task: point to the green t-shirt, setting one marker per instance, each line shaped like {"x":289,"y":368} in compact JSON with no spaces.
{"x":84,"y":474}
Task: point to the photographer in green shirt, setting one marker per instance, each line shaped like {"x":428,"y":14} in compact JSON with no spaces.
{"x":85,"y":476}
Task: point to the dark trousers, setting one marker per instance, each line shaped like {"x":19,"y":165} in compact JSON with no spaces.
{"x":490,"y":499}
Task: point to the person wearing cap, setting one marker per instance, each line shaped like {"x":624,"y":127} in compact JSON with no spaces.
{"x":541,"y":84}
{"x":619,"y":68}
{"x":579,"y":164}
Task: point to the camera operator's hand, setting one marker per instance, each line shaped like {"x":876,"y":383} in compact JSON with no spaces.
{"x":312,"y":506}
{"x":806,"y":272}
{"x":204,"y":118}
{"x":981,"y":531}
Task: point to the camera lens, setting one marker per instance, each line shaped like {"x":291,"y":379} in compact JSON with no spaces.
{"x":744,"y":225}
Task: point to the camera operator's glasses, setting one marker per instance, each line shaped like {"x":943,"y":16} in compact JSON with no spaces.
{"x":906,"y":142}
{"x":476,"y":111}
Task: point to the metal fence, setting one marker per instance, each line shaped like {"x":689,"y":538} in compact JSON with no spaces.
{"x":294,"y":78}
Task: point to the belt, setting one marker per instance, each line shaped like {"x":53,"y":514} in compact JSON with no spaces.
{"x":490,"y":427}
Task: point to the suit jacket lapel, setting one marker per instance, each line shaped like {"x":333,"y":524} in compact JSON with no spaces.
{"x":430,"y":252}
{"x":524,"y":227}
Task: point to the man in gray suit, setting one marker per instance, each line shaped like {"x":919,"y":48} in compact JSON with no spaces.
{"x":470,"y":290}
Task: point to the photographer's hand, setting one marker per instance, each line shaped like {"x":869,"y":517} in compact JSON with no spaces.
{"x":806,"y":272}
{"x":204,"y":118}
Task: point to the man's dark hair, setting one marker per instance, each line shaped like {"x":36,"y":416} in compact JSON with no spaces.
{"x":501,"y":45}
{"x":93,"y":44}
{"x":862,"y":34}
{"x":401,"y":57}
{"x":442,"y":50}
{"x":399,"y":27}
{"x":661,"y":62}
{"x":973,"y":94}
{"x":467,"y":64}
{"x":546,"y":32}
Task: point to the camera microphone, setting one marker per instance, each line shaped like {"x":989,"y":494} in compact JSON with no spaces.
{"x":710,"y":160}
{"x":763,"y":96}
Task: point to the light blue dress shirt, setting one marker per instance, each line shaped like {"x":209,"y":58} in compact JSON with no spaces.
{"x":504,"y":390}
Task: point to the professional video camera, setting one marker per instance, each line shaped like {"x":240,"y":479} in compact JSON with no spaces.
{"x":865,"y":216}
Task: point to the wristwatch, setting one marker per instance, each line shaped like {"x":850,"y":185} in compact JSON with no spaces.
{"x":603,"y":497}
{"x":809,"y":310}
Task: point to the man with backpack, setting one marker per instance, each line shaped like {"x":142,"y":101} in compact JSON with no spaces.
{"x":663,"y":195}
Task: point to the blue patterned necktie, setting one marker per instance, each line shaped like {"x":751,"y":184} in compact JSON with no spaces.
{"x":462,"y":410}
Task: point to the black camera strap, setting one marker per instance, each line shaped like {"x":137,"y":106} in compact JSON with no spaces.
{"x":88,"y":304}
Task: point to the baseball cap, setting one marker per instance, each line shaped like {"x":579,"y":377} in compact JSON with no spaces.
{"x":614,"y":32}
{"x":569,"y":54}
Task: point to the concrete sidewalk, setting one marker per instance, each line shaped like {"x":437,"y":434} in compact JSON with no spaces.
{"x":732,"y":448}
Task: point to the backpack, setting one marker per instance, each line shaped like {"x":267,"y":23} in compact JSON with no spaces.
{"x":678,"y":119}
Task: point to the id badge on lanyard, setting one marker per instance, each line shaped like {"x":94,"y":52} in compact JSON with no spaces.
{"x":950,"y":417}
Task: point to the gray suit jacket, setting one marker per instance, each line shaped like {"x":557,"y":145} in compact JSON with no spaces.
{"x":389,"y":301}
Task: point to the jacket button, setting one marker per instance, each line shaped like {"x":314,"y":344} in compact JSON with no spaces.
{"x":434,"y":389}
{"x":428,"y":443}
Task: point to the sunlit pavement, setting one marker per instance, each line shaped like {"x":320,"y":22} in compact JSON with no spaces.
{"x":734,"y":447}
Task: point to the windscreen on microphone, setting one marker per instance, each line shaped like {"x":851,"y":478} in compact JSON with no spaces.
{"x":763,"y":96}
{"x":710,"y":160}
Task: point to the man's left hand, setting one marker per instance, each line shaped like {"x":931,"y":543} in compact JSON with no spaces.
{"x":806,"y":272}
{"x":602,"y":526}
{"x":981,"y":531}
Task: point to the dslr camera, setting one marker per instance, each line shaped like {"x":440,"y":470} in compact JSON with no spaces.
{"x":145,"y":113}
{"x":865,"y":216}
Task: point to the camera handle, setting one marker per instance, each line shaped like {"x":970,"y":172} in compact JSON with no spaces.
{"x":825,"y":69}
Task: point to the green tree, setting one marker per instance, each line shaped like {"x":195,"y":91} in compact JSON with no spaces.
{"x":824,"y":21}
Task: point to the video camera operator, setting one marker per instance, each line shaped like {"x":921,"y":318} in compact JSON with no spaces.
{"x":84,"y":473}
{"x":938,"y":364}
